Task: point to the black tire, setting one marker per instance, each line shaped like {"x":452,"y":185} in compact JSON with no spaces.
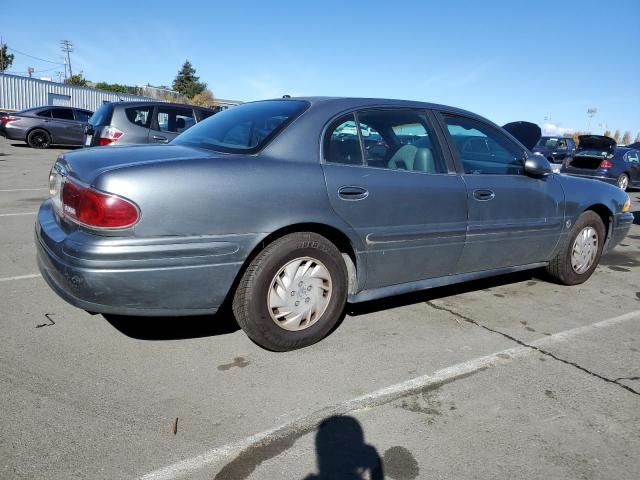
{"x":560,"y":267}
{"x":250,"y":304}
{"x":39,"y":138}
{"x":623,"y":182}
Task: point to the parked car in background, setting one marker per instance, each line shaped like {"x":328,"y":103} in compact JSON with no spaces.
{"x":599,"y":157}
{"x":271,"y":207}
{"x":42,"y":127}
{"x":141,"y":122}
{"x":555,"y":149}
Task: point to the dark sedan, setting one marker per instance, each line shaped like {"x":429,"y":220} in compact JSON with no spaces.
{"x":600,"y":158}
{"x":281,"y":210}
{"x":45,"y":126}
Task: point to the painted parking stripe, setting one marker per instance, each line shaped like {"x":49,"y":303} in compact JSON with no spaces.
{"x":23,"y":189}
{"x":20,"y":277}
{"x":17,"y":214}
{"x":374,"y":399}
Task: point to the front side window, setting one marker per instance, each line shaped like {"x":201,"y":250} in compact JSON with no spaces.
{"x":483,"y":149}
{"x":245,"y":128}
{"x":62,"y":113}
{"x":140,"y":116}
{"x":174,"y":120}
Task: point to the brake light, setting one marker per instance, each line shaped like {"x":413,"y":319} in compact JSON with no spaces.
{"x":8,"y":119}
{"x":109,"y":135}
{"x":605,"y":164}
{"x":96,"y":209}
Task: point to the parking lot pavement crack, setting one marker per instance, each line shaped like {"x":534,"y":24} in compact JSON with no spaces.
{"x":615,"y":381}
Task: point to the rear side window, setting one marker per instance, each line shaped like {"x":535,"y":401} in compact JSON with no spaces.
{"x":483,"y":149}
{"x":62,"y":113}
{"x":102,"y":116}
{"x":83,"y":115}
{"x":342,"y":144}
{"x":140,"y":116}
{"x":175,"y":120}
{"x":245,"y":128}
{"x":45,"y":113}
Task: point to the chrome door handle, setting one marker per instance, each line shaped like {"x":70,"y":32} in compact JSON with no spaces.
{"x":483,"y":195}
{"x":160,"y":138}
{"x":352,"y":193}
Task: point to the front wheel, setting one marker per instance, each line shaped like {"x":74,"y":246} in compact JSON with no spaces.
{"x":293,"y":293}
{"x":580,"y":251}
{"x":39,"y":138}
{"x":623,"y":181}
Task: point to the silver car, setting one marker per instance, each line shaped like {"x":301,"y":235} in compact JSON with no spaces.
{"x":141,"y":122}
{"x":42,"y":127}
{"x":271,"y":209}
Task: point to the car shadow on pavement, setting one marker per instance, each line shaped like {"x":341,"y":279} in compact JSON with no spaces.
{"x":65,"y":147}
{"x":422,"y":296}
{"x":174,"y":328}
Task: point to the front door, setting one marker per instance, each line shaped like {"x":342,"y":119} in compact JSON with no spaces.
{"x":386,"y":176}
{"x":514,"y":219}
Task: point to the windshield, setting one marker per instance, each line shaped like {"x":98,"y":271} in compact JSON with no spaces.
{"x":552,"y":143}
{"x":243,"y":129}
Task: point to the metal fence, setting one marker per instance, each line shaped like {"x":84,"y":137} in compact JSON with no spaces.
{"x":18,"y":93}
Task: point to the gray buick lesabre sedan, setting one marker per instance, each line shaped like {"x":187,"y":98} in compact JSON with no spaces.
{"x":287,"y":209}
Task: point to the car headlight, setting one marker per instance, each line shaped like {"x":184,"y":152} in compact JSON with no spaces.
{"x":627,"y":205}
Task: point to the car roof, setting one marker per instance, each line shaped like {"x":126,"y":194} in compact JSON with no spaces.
{"x":156,"y":103}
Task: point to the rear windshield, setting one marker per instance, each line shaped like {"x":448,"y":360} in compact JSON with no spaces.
{"x":102,"y":116}
{"x":243,"y":129}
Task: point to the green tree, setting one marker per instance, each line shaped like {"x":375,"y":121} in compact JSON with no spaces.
{"x":112,"y":87}
{"x":626,"y":138}
{"x":6,"y":59}
{"x":616,"y":136}
{"x":203,"y":99}
{"x":607,"y":133}
{"x":77,"y":79}
{"x":187,"y":82}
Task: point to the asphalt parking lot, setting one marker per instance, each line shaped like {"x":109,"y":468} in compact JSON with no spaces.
{"x":511,"y":377}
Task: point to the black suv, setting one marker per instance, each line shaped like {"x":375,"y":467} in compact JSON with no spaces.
{"x":555,"y":149}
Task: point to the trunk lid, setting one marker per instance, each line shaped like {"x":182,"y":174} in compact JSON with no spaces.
{"x":526,"y":133}
{"x":86,"y":164}
{"x":596,"y":142}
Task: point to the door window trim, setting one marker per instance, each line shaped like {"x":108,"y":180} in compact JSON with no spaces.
{"x":431,"y":122}
{"x":453,"y":149}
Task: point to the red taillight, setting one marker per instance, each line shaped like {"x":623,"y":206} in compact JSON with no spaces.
{"x":97,"y":209}
{"x":8,"y":119}
{"x":109,"y":135}
{"x":605,"y":164}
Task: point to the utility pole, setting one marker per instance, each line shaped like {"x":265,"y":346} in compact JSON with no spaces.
{"x":590,"y":113}
{"x":67,"y":47}
{"x":1,"y":55}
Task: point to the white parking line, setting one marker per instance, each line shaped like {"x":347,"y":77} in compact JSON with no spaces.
{"x":23,"y":189}
{"x":377,"y":398}
{"x":17,"y":214}
{"x":20,"y":277}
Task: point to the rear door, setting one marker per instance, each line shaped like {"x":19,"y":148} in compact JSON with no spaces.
{"x":632,"y":158}
{"x":169,"y":122}
{"x":64,"y":128}
{"x":388,"y":177}
{"x":514,"y":219}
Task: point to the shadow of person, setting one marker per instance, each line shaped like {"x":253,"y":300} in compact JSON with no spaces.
{"x":342,"y":454}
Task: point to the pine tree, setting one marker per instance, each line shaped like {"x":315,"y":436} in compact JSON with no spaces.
{"x":187,"y":82}
{"x":616,"y":136}
{"x":6,"y":59}
{"x":607,"y":133}
{"x":626,"y":138}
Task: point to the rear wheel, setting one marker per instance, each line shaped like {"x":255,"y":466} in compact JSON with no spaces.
{"x":623,"y":181}
{"x":39,"y":138}
{"x":293,"y":293}
{"x":580,"y":251}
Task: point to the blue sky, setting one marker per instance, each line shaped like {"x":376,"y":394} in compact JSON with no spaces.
{"x":507,"y":60}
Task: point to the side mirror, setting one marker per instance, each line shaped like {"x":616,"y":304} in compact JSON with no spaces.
{"x":537,"y":166}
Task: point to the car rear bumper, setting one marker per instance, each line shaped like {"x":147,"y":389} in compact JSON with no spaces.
{"x":13,"y":133}
{"x":619,"y":229}
{"x":166,"y":276}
